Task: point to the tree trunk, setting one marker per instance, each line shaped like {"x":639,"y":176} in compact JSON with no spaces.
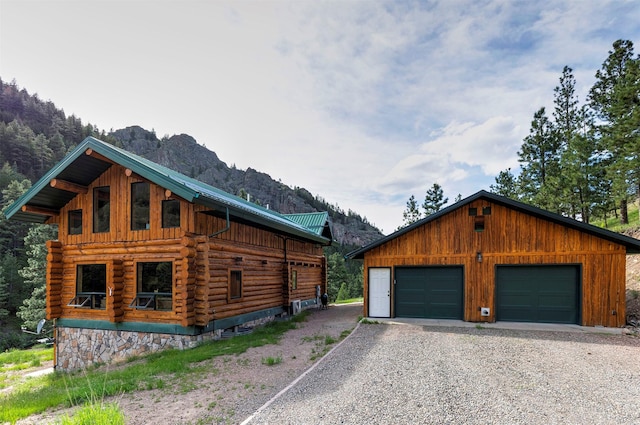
{"x":624,"y":217}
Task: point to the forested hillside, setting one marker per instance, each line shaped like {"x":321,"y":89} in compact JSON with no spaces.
{"x":35,"y":135}
{"x":582,"y":159}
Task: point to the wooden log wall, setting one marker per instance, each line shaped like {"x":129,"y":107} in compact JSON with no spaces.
{"x":54,"y":280}
{"x":120,"y":212}
{"x":201,"y":265}
{"x":511,"y":237}
{"x":121,"y":260}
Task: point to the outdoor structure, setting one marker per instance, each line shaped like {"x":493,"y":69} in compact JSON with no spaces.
{"x":489,"y":258}
{"x":148,"y":258}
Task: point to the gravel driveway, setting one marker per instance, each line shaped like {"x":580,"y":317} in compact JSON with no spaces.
{"x":407,"y":374}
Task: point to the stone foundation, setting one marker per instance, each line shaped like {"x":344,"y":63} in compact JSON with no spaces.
{"x":79,"y":348}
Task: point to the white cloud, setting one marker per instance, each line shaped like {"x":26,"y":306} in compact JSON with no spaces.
{"x":363,"y":103}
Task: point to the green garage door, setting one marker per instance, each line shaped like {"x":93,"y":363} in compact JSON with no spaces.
{"x":429,"y":292}
{"x":544,"y":294}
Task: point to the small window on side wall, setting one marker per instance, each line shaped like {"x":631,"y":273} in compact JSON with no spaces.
{"x":294,"y":279}
{"x":75,"y":222}
{"x":478,"y":223}
{"x":235,"y":284}
{"x":170,"y":213}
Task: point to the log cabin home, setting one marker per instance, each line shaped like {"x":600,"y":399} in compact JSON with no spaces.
{"x":147,"y":258}
{"x":488,"y":258}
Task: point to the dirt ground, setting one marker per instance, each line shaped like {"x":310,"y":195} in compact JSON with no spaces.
{"x":236,"y":385}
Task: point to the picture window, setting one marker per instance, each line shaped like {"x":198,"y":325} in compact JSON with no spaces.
{"x":155,"y":286}
{"x":91,"y":286}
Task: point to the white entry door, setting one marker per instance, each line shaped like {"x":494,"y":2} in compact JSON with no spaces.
{"x":379,"y":292}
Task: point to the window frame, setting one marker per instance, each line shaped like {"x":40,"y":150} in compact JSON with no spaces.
{"x":150,"y":300}
{"x":294,"y":279}
{"x":135,"y":208}
{"x":164,"y":221}
{"x":96,"y":222}
{"x":231,"y":297}
{"x":89,"y":299}
{"x":77,"y":213}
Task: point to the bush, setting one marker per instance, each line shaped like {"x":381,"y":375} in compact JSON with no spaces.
{"x":96,"y":414}
{"x":14,"y":339}
{"x":343,"y":293}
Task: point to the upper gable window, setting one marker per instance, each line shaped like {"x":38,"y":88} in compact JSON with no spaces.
{"x":101,"y":209}
{"x":139,"y":206}
{"x":75,"y":222}
{"x":171,"y":213}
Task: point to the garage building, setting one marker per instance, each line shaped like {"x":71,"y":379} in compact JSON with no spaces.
{"x":489,"y":258}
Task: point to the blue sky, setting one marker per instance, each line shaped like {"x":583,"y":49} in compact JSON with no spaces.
{"x":361,"y":102}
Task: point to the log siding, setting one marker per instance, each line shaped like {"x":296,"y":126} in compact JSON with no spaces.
{"x":201,"y":264}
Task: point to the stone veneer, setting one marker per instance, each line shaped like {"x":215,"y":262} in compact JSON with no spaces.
{"x":78,"y":348}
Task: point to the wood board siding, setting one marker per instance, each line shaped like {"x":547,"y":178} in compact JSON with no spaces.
{"x":511,"y":237}
{"x":201,"y":264}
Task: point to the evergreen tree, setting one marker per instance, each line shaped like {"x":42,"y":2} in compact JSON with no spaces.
{"x":613,"y":99}
{"x":578,"y":161}
{"x":336,"y":275}
{"x":539,"y":159}
{"x":434,"y":200}
{"x":11,"y":232}
{"x":9,"y":268}
{"x":412,"y":213}
{"x":34,"y":274}
{"x":506,"y":185}
{"x":4,"y":297}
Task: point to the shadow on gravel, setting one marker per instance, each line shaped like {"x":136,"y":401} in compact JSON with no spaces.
{"x":567,"y":336}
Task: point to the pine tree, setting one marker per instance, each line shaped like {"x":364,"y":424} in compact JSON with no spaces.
{"x":412,"y":213}
{"x":613,"y":99}
{"x":34,"y":274}
{"x":539,"y":159}
{"x":4,"y":297}
{"x":506,"y":185}
{"x":434,"y":200}
{"x":578,"y":158}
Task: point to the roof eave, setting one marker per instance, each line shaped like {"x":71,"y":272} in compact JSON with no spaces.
{"x":632,"y":245}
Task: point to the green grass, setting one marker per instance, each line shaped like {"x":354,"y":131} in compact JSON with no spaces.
{"x":150,"y":372}
{"x":16,"y":360}
{"x":613,"y":223}
{"x":96,"y":414}
{"x":271,"y":361}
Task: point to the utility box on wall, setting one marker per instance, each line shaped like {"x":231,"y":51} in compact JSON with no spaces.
{"x":485,"y":311}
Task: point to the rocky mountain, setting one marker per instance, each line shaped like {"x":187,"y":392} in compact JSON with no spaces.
{"x":182,"y":153}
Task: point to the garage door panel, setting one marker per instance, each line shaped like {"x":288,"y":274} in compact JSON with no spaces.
{"x":547,"y":294}
{"x":429,"y":292}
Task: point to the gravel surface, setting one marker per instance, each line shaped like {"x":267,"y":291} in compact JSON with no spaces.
{"x":407,"y":374}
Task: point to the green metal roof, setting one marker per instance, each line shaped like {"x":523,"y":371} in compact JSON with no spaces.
{"x":82,"y":169}
{"x":317,"y":222}
{"x":632,"y":245}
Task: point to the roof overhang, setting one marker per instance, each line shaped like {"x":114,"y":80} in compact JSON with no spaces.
{"x":92,"y":158}
{"x":632,"y":245}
